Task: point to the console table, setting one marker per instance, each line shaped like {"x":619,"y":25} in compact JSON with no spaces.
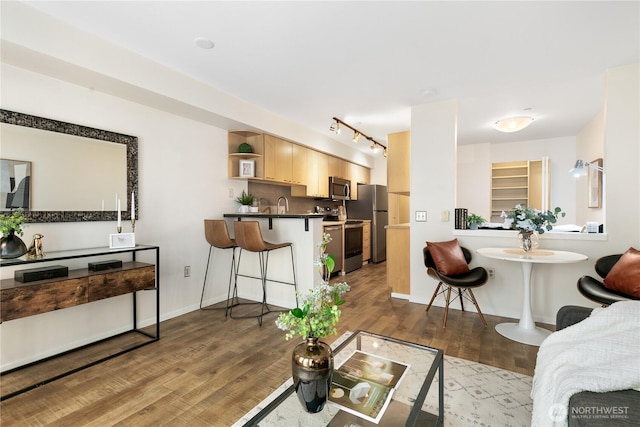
{"x":81,"y":286}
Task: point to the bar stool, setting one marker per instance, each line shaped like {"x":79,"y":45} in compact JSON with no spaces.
{"x":249,"y":238}
{"x":217,"y":234}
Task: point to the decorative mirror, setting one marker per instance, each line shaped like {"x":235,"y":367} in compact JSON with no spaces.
{"x":63,"y":172}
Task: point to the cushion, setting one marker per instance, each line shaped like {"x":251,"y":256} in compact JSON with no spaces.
{"x":448,"y":257}
{"x":624,"y":276}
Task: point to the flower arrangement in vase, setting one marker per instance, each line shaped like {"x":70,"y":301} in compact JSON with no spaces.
{"x":312,"y":359}
{"x":529,"y":221}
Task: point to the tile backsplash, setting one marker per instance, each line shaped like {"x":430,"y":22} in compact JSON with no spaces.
{"x":268,"y":195}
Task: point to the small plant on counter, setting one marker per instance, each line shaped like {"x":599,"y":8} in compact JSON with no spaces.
{"x":12,"y":223}
{"x":475,"y":220}
{"x":319,"y":313}
{"x":245,"y":198}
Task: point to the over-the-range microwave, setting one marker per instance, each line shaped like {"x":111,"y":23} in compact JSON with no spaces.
{"x":339,"y":188}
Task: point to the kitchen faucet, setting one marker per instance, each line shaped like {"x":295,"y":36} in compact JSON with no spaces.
{"x":286,"y":204}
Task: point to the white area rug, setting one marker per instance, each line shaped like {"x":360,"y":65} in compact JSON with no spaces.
{"x":474,"y":395}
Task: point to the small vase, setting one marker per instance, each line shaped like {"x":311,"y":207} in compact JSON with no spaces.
{"x":12,"y":246}
{"x":527,"y":240}
{"x":243,"y":209}
{"x":312,"y":368}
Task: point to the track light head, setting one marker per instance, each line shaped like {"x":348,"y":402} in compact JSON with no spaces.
{"x":356,"y":136}
{"x":335,"y":127}
{"x":375,"y":148}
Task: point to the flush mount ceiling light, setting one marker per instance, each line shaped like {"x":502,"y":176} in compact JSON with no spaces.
{"x":513,"y":124}
{"x":580,"y":168}
{"x":375,"y":145}
{"x":204,"y":43}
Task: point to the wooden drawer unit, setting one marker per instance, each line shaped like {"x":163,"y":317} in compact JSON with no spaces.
{"x":133,"y":277}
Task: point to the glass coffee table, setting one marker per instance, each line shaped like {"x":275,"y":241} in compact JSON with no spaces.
{"x":405,"y":407}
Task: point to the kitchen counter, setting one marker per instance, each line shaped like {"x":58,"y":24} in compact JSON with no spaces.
{"x":286,"y":216}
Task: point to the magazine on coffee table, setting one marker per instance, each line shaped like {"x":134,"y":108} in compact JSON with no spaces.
{"x":364,"y":384}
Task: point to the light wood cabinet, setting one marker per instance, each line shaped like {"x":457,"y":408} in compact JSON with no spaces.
{"x":399,"y":163}
{"x":366,"y":241}
{"x":399,"y":212}
{"x":299,"y":164}
{"x":516,"y":183}
{"x":307,"y":171}
{"x":278,"y":159}
{"x":398,"y":259}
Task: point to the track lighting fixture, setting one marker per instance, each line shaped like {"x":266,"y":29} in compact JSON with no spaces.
{"x":375,"y":145}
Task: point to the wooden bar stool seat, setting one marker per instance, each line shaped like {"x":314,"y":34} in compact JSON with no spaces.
{"x":248,"y":237}
{"x":217,"y":235}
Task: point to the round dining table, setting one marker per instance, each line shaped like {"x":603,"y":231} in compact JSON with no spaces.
{"x":526,"y":331}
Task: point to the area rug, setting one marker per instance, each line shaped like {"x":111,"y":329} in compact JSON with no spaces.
{"x":474,"y":395}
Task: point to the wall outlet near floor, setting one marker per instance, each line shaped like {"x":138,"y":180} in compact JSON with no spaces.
{"x":491,"y":272}
{"x":421,"y":216}
{"x":187,"y":270}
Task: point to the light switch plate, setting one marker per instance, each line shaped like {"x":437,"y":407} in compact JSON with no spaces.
{"x":444,"y":216}
{"x":421,"y":216}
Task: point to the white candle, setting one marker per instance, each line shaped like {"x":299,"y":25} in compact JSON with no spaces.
{"x":133,"y":206}
{"x":119,"y":219}
{"x":103,"y":205}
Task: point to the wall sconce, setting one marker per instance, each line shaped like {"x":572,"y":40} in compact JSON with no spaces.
{"x":513,"y":124}
{"x":375,"y":145}
{"x":580,"y":168}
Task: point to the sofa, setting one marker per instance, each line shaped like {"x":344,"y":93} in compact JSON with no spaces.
{"x":588,"y":409}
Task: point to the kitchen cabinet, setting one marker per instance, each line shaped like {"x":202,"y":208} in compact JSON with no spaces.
{"x":366,"y":241}
{"x":299,"y":164}
{"x":316,"y":178}
{"x":399,"y":163}
{"x":514,"y":183}
{"x":399,"y":212}
{"x":357,"y":175}
{"x":278,"y":159}
{"x":398,"y":259}
{"x":337,"y":167}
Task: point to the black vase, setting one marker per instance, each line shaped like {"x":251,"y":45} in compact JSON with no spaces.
{"x":12,"y":246}
{"x":312,"y":368}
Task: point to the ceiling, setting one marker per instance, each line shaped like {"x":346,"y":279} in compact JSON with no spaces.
{"x":367,"y":63}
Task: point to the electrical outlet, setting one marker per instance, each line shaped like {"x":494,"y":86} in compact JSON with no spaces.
{"x":491,"y":272}
{"x":421,"y":216}
{"x":187,"y":270}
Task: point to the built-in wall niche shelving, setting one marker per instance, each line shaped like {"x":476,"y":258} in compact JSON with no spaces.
{"x":256,"y":141}
{"x":514,"y":183}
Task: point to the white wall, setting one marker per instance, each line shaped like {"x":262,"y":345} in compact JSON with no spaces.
{"x":589,"y":146}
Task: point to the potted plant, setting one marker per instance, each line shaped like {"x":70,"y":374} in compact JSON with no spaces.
{"x":312,"y":361}
{"x":12,"y":246}
{"x":245,"y":199}
{"x":529,"y":221}
{"x":474,"y":221}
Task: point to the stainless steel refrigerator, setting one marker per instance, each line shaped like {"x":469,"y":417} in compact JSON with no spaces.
{"x":372,"y":204}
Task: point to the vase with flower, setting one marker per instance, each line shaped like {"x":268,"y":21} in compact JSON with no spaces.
{"x":312,"y":359}
{"x":530,"y":222}
{"x":12,"y":246}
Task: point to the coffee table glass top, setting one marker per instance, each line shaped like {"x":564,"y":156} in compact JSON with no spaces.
{"x":406,"y":407}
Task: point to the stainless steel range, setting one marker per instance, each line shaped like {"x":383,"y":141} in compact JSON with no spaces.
{"x":352,"y":245}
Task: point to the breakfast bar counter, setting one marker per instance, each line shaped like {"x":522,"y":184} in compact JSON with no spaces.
{"x":304,"y":231}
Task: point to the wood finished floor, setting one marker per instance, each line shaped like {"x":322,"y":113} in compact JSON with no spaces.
{"x":208,"y":370}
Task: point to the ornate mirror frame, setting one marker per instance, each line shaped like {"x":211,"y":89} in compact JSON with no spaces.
{"x":20,"y":119}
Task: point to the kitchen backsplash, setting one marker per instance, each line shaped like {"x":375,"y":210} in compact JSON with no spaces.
{"x":268,"y":195}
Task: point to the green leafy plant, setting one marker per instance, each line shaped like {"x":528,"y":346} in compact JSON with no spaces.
{"x":475,"y":219}
{"x":12,"y":222}
{"x":320,"y":307}
{"x":529,"y":219}
{"x":245,"y":198}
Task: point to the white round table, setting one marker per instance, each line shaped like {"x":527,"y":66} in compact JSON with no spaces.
{"x":526,"y":331}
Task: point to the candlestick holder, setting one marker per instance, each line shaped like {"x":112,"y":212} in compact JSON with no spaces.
{"x":133,"y":225}
{"x":119,"y":229}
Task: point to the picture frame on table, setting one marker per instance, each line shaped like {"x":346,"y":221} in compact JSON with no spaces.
{"x":594,"y":180}
{"x":247,"y":168}
{"x":122,"y":240}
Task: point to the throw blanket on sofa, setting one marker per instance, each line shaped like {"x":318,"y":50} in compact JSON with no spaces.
{"x":600,"y":354}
